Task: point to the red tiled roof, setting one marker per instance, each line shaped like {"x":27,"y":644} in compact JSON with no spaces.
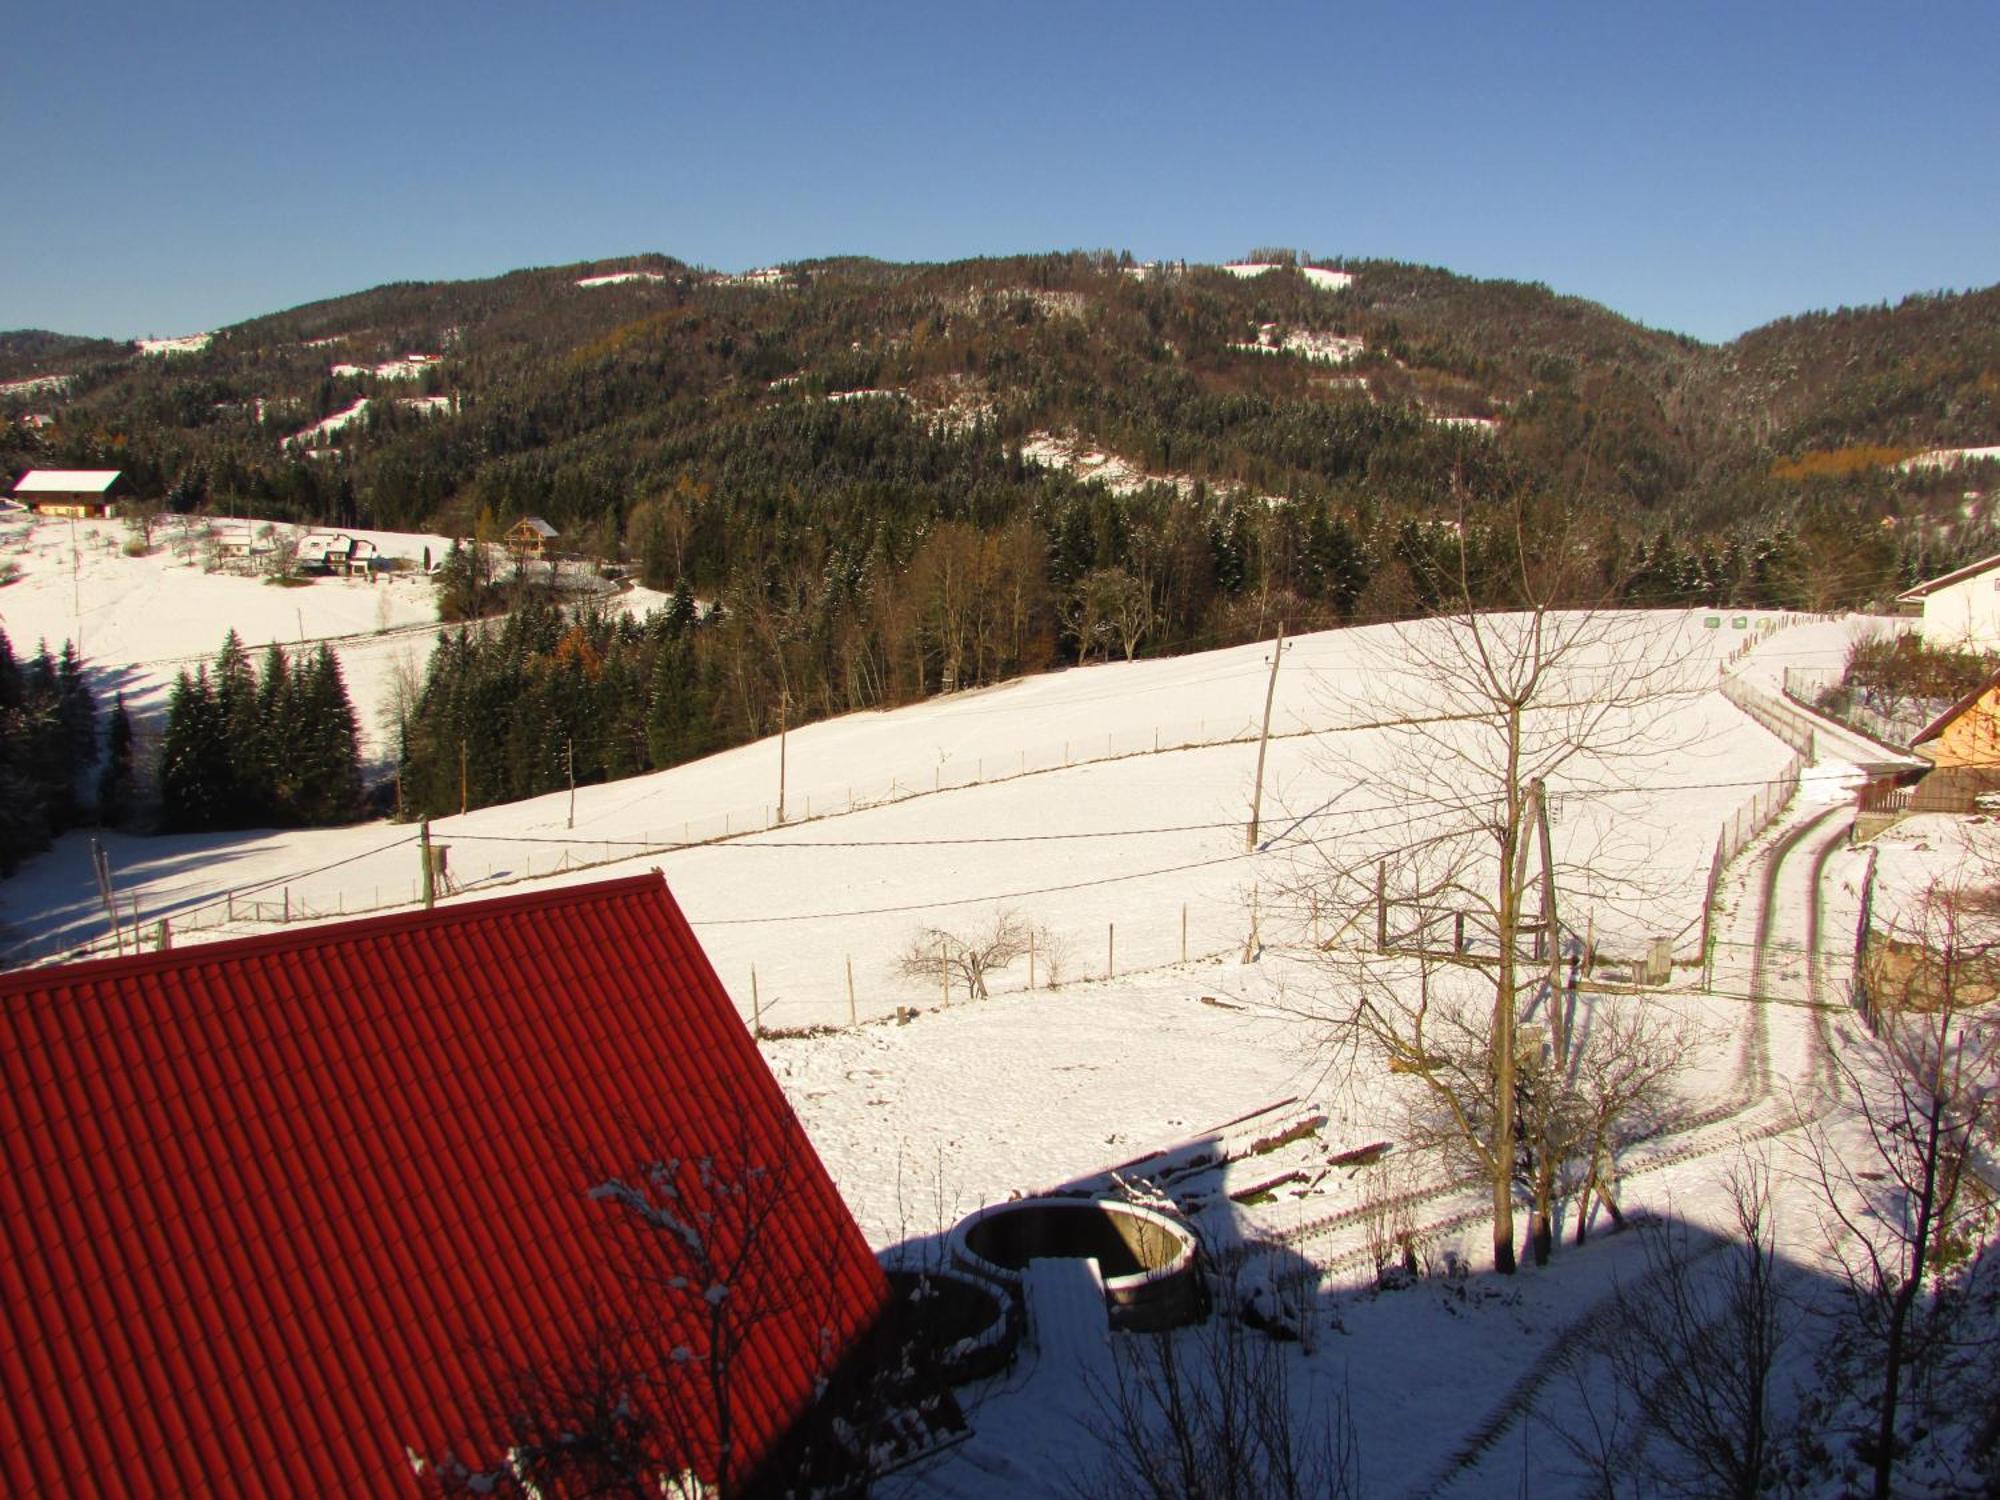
{"x":276,"y":1212}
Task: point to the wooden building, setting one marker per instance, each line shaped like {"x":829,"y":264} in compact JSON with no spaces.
{"x":70,"y":492}
{"x":529,"y":538}
{"x":1963,"y":746}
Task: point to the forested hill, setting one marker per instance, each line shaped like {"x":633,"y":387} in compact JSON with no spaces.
{"x":1234,"y":447}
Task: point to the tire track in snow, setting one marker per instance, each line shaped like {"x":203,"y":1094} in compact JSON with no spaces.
{"x":1562,"y":1350}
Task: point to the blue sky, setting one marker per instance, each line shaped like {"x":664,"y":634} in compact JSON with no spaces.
{"x":174,"y":167}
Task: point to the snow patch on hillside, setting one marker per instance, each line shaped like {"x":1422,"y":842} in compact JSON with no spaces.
{"x":326,"y":427}
{"x":1321,"y":348}
{"x":34,"y":385}
{"x":1326,"y":281}
{"x":192,"y":343}
{"x":320,"y":432}
{"x":1108,"y":469}
{"x":766,"y":276}
{"x":620,"y":278}
{"x":1947,"y":458}
{"x":409,"y":367}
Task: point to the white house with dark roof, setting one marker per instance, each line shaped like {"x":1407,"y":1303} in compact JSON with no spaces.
{"x":69,"y":492}
{"x":1961,"y":608}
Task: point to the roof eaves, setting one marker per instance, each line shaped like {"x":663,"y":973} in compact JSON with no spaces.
{"x":1932,"y":585}
{"x":1938,"y":725}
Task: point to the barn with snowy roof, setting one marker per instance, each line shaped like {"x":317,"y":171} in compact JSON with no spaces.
{"x":309,"y":1213}
{"x":70,"y":492}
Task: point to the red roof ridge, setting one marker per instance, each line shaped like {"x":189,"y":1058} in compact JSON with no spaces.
{"x":346,"y":932}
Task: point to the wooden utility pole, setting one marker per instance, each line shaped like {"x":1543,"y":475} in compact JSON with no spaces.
{"x":784,"y":710}
{"x":569,"y":764}
{"x":430,"y":874}
{"x":461,"y":779}
{"x":1264,"y":740}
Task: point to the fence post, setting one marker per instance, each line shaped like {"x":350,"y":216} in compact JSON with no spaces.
{"x":852,"y":1019}
{"x":1031,"y":958}
{"x":756,"y":1005}
{"x":1110,"y":950}
{"x":1184,"y":932}
{"x":944,"y":976}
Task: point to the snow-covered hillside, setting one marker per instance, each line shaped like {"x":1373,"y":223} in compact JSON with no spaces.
{"x":139,"y":621}
{"x":1179,"y":982}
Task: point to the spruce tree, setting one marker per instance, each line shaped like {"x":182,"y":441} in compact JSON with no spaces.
{"x":247,"y":788}
{"x":114,"y":783}
{"x":278,"y":724}
{"x":329,"y":774}
{"x":195,"y":780}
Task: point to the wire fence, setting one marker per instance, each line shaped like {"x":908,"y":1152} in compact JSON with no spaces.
{"x":828,"y":992}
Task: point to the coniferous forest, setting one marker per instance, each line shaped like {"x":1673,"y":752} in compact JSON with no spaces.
{"x":48,"y":744}
{"x":882,"y":481}
{"x":259,"y":747}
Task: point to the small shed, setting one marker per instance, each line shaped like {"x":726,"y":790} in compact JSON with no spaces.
{"x":529,"y":537}
{"x":70,"y":492}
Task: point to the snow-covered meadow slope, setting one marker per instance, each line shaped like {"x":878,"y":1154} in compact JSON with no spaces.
{"x":1180,"y":983}
{"x":140,"y":621}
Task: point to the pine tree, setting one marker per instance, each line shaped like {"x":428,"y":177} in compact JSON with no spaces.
{"x":195,"y":780}
{"x":247,"y":789}
{"x":114,"y":783}
{"x":277,"y":718}
{"x":329,"y":774}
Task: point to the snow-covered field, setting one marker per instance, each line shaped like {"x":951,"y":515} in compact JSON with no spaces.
{"x":192,"y":343}
{"x":1326,"y":281}
{"x":139,"y":621}
{"x":620,"y":278}
{"x":1177,"y":986}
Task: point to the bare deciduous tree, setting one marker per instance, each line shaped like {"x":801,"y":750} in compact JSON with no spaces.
{"x":1209,"y":1412}
{"x":1911,"y":1219}
{"x":1465,"y":723}
{"x":943,"y":957}
{"x":1691,"y":1348}
{"x":653,"y":1397}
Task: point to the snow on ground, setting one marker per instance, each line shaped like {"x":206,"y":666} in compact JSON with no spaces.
{"x":139,"y":621}
{"x":326,"y":427}
{"x":192,"y":343}
{"x":1948,"y":458}
{"x":33,"y":385}
{"x":1106,"y":804}
{"x":1320,"y":348}
{"x":322,"y":431}
{"x":1327,"y":281}
{"x":762,"y":276}
{"x":620,"y":278}
{"x":409,"y":367}
{"x":1052,"y":451}
{"x":1926,"y":854}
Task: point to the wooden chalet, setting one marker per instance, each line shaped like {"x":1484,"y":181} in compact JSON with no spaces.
{"x":81,"y":493}
{"x":285,"y":1215}
{"x":529,"y":538}
{"x":1963,"y":746}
